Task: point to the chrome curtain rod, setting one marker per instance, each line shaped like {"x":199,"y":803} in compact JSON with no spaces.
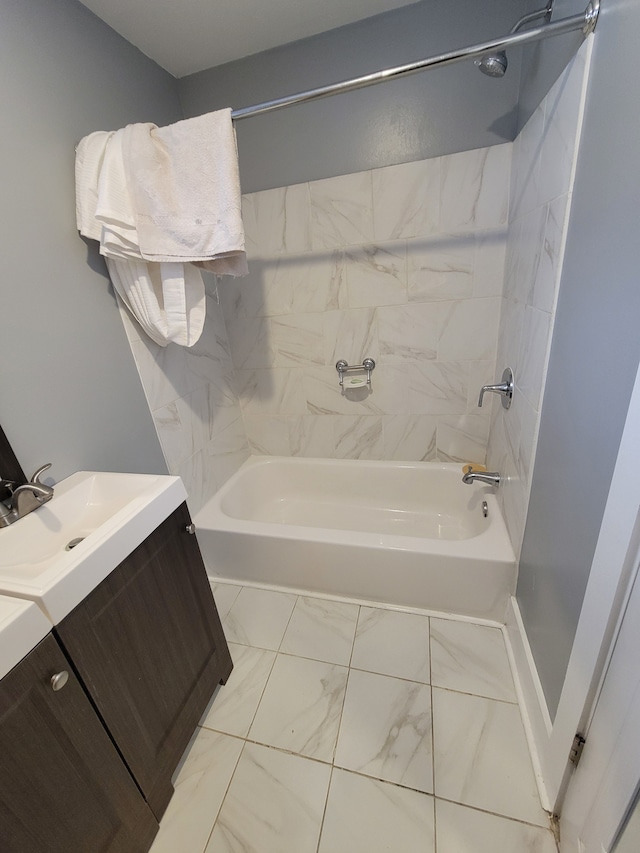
{"x":585,"y":22}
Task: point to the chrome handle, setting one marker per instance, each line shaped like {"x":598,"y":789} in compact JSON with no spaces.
{"x":39,"y":473}
{"x":59,"y":680}
{"x":191,"y":528}
{"x":505,"y":388}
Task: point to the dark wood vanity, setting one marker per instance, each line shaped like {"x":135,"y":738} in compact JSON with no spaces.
{"x":87,"y":768}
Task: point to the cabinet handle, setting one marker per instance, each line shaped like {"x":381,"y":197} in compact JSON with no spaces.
{"x":190,"y":528}
{"x":59,"y":680}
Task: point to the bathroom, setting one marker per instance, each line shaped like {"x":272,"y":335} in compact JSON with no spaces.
{"x":72,"y":393}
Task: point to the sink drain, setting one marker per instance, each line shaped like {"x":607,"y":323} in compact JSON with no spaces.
{"x":71,"y":545}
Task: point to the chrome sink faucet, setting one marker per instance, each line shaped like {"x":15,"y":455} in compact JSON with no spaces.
{"x":492,"y":478}
{"x":24,"y":497}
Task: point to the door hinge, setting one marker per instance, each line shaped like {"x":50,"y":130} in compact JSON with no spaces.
{"x":577,"y":748}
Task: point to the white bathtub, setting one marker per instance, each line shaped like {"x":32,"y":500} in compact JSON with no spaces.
{"x":405,"y":533}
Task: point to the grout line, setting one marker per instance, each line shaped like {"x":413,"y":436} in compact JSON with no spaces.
{"x":512,"y":703}
{"x":496,"y":814}
{"x":264,"y":689}
{"x":295,"y":604}
{"x":331,"y":763}
{"x":222,"y":802}
{"x":324,"y":811}
{"x":384,"y":781}
{"x":344,"y":701}
{"x":433,"y":746}
{"x":355,"y":635}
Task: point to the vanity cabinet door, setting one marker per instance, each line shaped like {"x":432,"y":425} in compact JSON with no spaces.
{"x":63,"y":786}
{"x":149,"y":648}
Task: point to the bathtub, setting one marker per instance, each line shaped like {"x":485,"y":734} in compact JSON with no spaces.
{"x":402,"y":533}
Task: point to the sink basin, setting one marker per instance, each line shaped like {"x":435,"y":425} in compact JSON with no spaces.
{"x":57,"y":554}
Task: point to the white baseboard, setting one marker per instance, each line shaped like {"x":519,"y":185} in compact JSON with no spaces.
{"x":533,"y":706}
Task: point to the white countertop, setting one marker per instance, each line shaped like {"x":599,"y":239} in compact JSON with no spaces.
{"x":110,"y":513}
{"x":22,"y":626}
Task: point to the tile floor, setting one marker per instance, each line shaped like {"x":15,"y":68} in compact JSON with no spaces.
{"x":353,"y":729}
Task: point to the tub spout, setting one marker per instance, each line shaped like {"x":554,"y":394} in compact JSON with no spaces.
{"x":492,"y":478}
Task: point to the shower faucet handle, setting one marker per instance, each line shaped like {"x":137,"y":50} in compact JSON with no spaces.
{"x":505,"y":388}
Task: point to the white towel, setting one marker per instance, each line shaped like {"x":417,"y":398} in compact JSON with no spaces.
{"x":156,"y":199}
{"x":119,"y":237}
{"x":89,"y":160}
{"x":184,"y":185}
{"x":167,"y":300}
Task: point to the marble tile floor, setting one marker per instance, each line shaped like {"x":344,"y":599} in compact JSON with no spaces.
{"x":356,"y":729}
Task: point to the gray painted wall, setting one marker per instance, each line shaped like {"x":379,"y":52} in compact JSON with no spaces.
{"x":442,"y":111}
{"x":69,"y":389}
{"x":594,"y":356}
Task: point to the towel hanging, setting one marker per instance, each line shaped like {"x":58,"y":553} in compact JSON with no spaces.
{"x":162,"y":201}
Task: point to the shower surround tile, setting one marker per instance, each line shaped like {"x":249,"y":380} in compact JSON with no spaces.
{"x":438,"y":388}
{"x":544,"y":157}
{"x":194,"y":404}
{"x":268,"y":435}
{"x":469,"y":330}
{"x":357,"y":437}
{"x":277,"y":221}
{"x":409,"y":438}
{"x":409,"y":333}
{"x":475,"y":189}
{"x":331,"y":260}
{"x":406,"y":200}
{"x":402,"y":264}
{"x":441,"y":268}
{"x":297,"y":341}
{"x":341,"y":211}
{"x":462,"y":438}
{"x":376,"y":275}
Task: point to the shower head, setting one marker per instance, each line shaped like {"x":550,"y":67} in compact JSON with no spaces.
{"x":493,"y":64}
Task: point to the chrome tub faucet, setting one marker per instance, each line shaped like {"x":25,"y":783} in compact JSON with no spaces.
{"x":492,"y":478}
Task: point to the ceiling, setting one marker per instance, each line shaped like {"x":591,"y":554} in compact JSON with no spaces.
{"x":184,"y":36}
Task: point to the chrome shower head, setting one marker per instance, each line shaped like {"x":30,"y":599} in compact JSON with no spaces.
{"x":493,"y":64}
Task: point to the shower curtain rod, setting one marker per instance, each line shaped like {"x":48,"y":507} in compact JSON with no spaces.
{"x":585,"y":22}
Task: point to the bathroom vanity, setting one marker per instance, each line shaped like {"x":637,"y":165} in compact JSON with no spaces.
{"x":94,"y":720}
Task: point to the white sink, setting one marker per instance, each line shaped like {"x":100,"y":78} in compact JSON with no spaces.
{"x":107,"y":515}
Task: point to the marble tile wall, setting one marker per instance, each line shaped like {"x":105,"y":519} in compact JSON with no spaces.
{"x":544,"y":156}
{"x":195,"y":408}
{"x":431,"y":268}
{"x":403,"y":264}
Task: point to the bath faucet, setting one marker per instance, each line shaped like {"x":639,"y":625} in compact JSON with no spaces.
{"x":492,"y":478}
{"x":504,"y":388}
{"x":25,"y":498}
